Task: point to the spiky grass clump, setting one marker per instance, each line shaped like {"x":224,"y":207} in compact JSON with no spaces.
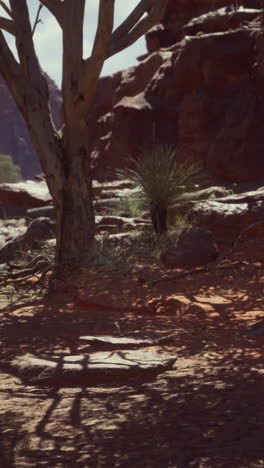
{"x":160,"y":181}
{"x":158,"y":177}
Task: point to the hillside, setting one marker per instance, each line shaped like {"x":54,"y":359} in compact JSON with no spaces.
{"x":14,"y":138}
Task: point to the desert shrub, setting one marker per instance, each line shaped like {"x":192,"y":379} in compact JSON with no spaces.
{"x":160,"y":181}
{"x":9,"y":171}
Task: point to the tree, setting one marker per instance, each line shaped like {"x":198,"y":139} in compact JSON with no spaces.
{"x":65,"y":156}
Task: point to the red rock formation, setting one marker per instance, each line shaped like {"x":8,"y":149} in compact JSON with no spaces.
{"x":207,"y":96}
{"x":180,"y":13}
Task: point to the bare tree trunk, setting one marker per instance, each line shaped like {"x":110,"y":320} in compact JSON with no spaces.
{"x":75,"y":215}
{"x":65,"y":160}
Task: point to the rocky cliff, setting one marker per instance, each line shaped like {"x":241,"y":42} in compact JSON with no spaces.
{"x":14,"y":138}
{"x":200,"y":87}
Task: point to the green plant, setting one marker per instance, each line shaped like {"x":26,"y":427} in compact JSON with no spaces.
{"x":131,"y":205}
{"x":160,"y":181}
{"x":9,"y":171}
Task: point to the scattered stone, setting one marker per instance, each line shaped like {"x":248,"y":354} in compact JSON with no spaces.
{"x":97,"y":368}
{"x":194,"y":247}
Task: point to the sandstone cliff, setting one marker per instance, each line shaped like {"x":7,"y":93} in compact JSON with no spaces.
{"x":202,"y":90}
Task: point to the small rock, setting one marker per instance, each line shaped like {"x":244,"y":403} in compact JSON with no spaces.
{"x":194,"y":247}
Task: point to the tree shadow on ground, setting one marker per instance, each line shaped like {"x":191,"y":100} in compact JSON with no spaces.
{"x":206,"y":412}
{"x":192,"y":417}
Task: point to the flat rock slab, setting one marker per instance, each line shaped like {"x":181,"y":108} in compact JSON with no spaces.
{"x":125,"y":342}
{"x":96,"y":368}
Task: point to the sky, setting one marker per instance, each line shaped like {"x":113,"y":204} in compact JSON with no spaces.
{"x":47,"y":38}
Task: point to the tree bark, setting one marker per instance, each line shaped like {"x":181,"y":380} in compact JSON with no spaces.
{"x":75,"y":245}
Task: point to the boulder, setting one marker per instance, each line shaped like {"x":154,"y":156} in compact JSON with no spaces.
{"x":194,"y":247}
{"x":227,"y":217}
{"x":23,"y":195}
{"x":38,"y":230}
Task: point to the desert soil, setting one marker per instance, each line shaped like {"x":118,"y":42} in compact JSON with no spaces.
{"x":205,"y":412}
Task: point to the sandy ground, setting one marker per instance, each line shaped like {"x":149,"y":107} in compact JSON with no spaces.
{"x":207,"y":411}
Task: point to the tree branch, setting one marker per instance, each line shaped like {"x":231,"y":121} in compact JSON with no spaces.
{"x":37,"y":20}
{"x":7,"y":25}
{"x":72,"y":28}
{"x":34,"y":102}
{"x":92,"y":67}
{"x":137,"y":29}
{"x":132,"y":19}
{"x":104,"y":29}
{"x":55,"y":7}
{"x":5,"y":7}
{"x":24,"y":41}
{"x":10,"y":70}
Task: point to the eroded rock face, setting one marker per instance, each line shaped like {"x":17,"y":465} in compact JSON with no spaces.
{"x":179,"y":12}
{"x":220,"y":20}
{"x":193,"y":18}
{"x":206,"y":97}
{"x":194,"y":247}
